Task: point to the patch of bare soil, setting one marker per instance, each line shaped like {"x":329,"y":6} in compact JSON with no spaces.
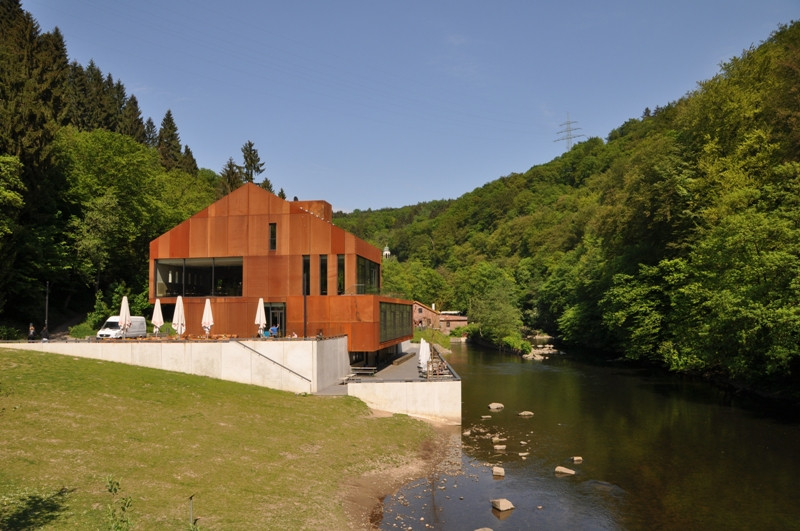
{"x":363,"y":497}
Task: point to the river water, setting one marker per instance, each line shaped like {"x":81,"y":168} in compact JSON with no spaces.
{"x":659,"y":452}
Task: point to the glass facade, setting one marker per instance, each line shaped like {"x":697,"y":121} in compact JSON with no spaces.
{"x":368,"y":276}
{"x":395,"y":321}
{"x":199,"y":277}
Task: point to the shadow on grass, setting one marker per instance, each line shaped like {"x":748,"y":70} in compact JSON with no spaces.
{"x":26,"y":510}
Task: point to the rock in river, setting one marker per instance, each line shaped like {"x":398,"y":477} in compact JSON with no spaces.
{"x":502,"y":504}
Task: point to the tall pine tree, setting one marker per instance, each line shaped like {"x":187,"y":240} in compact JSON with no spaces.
{"x":253,"y":165}
{"x":131,"y":121}
{"x":230,"y":177}
{"x":150,"y":133}
{"x":169,"y":143}
{"x":188,"y":163}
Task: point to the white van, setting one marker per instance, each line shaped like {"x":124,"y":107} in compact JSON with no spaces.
{"x":111,"y":329}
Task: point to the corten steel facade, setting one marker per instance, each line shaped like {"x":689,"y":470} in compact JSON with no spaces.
{"x":315,"y":278}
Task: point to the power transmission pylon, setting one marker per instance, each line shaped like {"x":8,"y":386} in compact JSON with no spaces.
{"x":568,"y":132}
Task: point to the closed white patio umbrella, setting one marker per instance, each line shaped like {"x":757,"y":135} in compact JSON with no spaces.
{"x":424,"y":355}
{"x":124,"y":316}
{"x":261,"y":318}
{"x":158,"y":318}
{"x":208,"y":318}
{"x":179,"y":317}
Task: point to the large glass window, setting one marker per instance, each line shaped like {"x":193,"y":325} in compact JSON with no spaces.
{"x":340,"y":274}
{"x":199,"y":277}
{"x":323,"y":274}
{"x":368,"y":275}
{"x":395,"y":321}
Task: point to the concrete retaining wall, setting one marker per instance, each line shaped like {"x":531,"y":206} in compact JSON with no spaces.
{"x":330,"y":364}
{"x":300,"y":366}
{"x":438,"y":400}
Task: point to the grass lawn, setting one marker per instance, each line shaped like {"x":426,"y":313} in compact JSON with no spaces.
{"x":253,"y":458}
{"x":431,"y":335}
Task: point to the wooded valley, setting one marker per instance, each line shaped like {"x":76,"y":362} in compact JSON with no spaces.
{"x":674,"y":240}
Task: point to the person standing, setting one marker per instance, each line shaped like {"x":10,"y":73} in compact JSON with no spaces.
{"x":31,"y":332}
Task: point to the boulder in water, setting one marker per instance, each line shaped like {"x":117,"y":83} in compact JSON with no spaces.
{"x":502,"y":504}
{"x":564,"y":471}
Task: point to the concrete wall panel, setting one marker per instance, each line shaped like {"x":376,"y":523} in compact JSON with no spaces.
{"x":175,"y":357}
{"x":206,"y":359}
{"x":117,"y":351}
{"x":237,"y":366}
{"x":147,"y":355}
{"x":434,"y":400}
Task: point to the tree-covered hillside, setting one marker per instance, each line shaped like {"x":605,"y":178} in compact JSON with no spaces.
{"x":676,"y":239}
{"x":85,"y":182}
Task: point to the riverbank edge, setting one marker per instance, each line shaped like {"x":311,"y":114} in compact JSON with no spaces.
{"x":363,"y":497}
{"x":782,"y":399}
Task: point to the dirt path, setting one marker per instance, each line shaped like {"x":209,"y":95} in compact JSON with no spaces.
{"x":363,"y":497}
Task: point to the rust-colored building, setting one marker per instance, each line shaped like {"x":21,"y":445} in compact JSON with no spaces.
{"x":315,"y":278}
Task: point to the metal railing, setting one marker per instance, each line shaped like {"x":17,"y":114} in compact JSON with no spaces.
{"x":273,"y":361}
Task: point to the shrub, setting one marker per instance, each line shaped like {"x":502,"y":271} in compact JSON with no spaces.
{"x":82,"y":330}
{"x":10,"y":333}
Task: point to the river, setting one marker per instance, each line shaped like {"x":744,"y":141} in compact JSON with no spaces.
{"x":659,"y":452}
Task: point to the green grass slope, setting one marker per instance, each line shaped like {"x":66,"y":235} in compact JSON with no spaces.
{"x":253,"y":458}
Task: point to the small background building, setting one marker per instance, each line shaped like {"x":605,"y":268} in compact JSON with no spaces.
{"x":449,"y":321}
{"x":446,"y":321}
{"x":315,"y":278}
{"x":425,"y":316}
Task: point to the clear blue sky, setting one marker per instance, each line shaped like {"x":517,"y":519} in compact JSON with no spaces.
{"x":374,"y":103}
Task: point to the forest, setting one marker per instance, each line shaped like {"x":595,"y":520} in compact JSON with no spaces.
{"x":673,"y":241}
{"x":85,"y":183}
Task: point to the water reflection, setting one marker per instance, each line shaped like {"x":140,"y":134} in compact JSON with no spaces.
{"x":657,"y":452}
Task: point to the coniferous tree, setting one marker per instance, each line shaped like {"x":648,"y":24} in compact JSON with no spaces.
{"x":32,"y":102}
{"x":267,"y":185}
{"x":150,"y":133}
{"x":77,"y":94}
{"x":54,"y":73}
{"x":131,"y":121}
{"x":188,"y":163}
{"x":230,"y":177}
{"x":97,"y":108}
{"x":252,"y":162}
{"x":282,"y":194}
{"x":169,"y":142}
{"x":115,"y":100}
